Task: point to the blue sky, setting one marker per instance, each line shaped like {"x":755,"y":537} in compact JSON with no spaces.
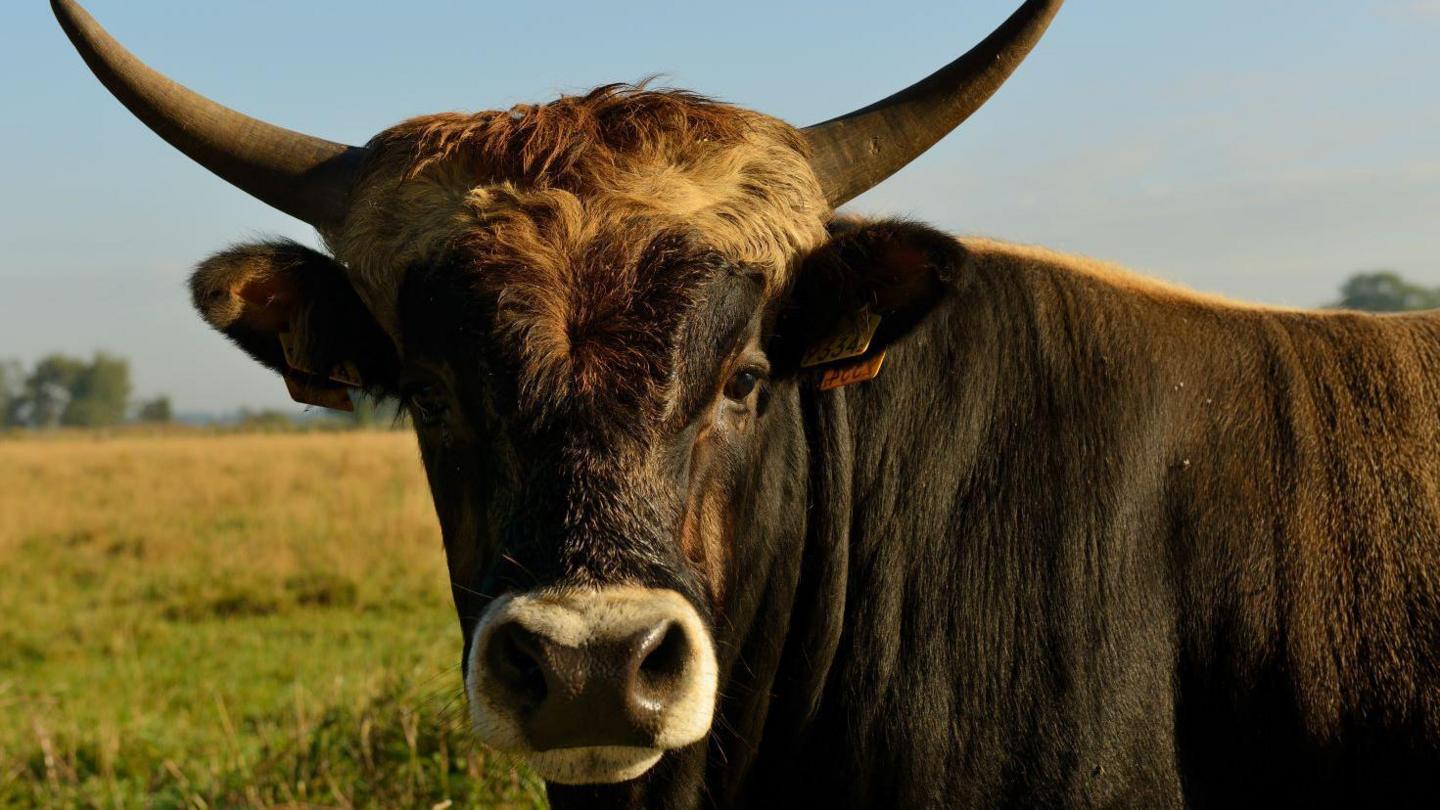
{"x":1261,"y":150}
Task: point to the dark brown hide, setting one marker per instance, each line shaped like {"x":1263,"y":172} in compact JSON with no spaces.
{"x":1087,"y":540}
{"x":1109,"y":542}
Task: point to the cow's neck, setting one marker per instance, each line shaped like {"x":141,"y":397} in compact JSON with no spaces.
{"x":926,"y":577}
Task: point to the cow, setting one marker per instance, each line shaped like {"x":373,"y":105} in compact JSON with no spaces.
{"x":747,"y":504}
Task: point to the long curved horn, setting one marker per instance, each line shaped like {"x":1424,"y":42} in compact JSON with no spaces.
{"x":854,"y":152}
{"x":308,"y":178}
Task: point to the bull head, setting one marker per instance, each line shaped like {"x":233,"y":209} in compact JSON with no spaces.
{"x":594,"y":310}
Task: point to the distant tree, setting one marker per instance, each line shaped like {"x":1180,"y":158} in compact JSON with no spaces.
{"x":99,"y":394}
{"x":47,"y":391}
{"x":155,"y":411}
{"x":1386,"y":291}
{"x":12,"y":376}
{"x":63,"y":390}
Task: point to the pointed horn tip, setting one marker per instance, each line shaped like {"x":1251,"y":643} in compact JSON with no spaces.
{"x":301,"y":175}
{"x":79,"y":26}
{"x":67,"y":11}
{"x":854,"y":152}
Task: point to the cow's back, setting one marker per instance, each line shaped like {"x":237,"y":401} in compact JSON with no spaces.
{"x":1300,"y":458}
{"x":1306,"y":521}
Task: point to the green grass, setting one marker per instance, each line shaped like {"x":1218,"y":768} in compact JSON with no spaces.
{"x":231,"y":620}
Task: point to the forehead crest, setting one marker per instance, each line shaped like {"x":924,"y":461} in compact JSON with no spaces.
{"x":609,"y":165}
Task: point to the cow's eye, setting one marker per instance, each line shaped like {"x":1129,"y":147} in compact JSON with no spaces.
{"x":427,"y":404}
{"x":741,"y":383}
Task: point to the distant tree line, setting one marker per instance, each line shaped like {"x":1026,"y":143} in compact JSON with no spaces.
{"x":1386,"y":291}
{"x":64,"y":391}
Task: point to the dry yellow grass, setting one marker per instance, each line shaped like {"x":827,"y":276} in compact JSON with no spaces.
{"x":280,"y":502}
{"x":226,"y":619}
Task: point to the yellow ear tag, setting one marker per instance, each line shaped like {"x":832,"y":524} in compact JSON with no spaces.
{"x":849,"y":374}
{"x":344,"y":372}
{"x":292,"y":357}
{"x":851,"y":338}
{"x":309,"y":388}
{"x":307,"y":392}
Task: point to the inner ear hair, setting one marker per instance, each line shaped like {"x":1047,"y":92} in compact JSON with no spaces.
{"x":250,"y":293}
{"x":894,"y":268}
{"x":253,"y":293}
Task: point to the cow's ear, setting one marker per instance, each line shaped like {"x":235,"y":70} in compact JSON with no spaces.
{"x":294,"y":310}
{"x":869,"y":285}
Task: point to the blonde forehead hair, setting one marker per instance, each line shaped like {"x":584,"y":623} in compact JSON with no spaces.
{"x":552,"y":180}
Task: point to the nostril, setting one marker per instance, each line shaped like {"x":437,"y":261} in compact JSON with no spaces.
{"x":515,"y":657}
{"x":664,"y":654}
{"x":518,"y":658}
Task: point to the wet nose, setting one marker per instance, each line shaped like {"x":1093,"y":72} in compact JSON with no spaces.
{"x":599,"y":690}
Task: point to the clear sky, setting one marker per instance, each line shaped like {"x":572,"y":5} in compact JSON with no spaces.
{"x":1262,"y":149}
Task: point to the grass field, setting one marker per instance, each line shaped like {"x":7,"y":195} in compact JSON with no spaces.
{"x":212,"y":621}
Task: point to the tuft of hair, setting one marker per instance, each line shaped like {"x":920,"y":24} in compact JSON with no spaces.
{"x":566,"y":177}
{"x":564,"y":142}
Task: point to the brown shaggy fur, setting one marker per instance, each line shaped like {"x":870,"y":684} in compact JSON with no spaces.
{"x":1303,"y":450}
{"x":1089,"y":540}
{"x":538,"y":188}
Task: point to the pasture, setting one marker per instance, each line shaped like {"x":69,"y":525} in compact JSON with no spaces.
{"x":220,"y":620}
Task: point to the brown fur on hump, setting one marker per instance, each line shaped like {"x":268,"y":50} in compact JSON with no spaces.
{"x":1301,"y":481}
{"x":556,"y":201}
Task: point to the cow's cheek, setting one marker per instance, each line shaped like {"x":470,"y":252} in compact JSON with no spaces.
{"x":705,"y":530}
{"x":705,"y":540}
